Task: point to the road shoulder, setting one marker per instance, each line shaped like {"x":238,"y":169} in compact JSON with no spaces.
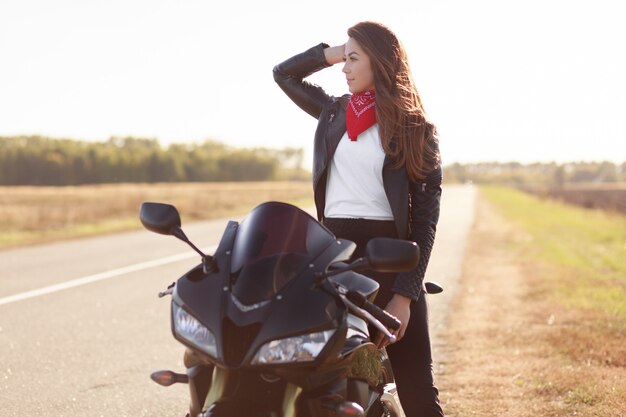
{"x":498,"y":354}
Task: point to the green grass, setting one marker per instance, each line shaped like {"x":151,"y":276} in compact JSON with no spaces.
{"x":587,"y":246}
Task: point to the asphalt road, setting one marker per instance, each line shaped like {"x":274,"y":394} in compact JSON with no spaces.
{"x":81,"y":327}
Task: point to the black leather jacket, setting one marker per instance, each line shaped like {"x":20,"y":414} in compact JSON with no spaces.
{"x":415,"y":205}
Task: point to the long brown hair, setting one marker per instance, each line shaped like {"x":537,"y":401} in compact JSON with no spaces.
{"x":406,"y":134}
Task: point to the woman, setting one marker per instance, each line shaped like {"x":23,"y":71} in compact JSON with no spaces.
{"x":377,"y":172}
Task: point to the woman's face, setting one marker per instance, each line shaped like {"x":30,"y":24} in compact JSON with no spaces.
{"x":357,"y":68}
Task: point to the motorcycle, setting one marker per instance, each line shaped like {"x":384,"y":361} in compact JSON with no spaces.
{"x":276,"y":321}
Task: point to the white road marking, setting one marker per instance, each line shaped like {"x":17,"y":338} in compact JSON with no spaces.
{"x":101,"y":276}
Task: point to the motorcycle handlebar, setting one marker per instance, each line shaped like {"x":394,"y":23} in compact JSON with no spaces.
{"x":381,"y":315}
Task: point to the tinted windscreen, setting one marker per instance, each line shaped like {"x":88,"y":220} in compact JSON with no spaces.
{"x":273,"y":244}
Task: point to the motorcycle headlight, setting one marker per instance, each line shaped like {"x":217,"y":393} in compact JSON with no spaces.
{"x":189,"y":328}
{"x":293,"y":349}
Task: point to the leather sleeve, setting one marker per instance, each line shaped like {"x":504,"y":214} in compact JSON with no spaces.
{"x":290,"y":76}
{"x":424,"y":216}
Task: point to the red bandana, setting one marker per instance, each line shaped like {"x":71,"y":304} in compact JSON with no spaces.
{"x":361,"y":113}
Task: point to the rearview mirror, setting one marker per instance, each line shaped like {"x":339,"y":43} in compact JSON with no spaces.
{"x":392,"y":255}
{"x":160,"y":218}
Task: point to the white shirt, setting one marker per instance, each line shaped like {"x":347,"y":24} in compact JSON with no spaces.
{"x":354,"y":187}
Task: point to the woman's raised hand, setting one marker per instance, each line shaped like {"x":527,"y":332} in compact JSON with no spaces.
{"x":334,"y":54}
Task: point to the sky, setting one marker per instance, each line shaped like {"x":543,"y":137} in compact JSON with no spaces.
{"x":527,"y":81}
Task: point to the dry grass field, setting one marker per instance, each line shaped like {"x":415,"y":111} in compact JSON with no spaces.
{"x":41,"y":214}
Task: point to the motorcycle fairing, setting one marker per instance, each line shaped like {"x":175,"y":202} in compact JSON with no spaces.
{"x":282,"y":311}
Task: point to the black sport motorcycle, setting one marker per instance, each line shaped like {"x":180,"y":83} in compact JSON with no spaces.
{"x":276,"y":322}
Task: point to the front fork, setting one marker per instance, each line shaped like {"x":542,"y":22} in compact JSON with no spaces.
{"x":200,"y":375}
{"x":208,"y":384}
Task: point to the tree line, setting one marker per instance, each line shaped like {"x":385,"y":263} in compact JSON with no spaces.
{"x":37,"y":160}
{"x":546,"y":175}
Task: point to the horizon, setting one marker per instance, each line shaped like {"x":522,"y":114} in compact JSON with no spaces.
{"x":166,"y":145}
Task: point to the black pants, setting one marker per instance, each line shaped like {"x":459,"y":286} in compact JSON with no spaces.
{"x":411,"y":357}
